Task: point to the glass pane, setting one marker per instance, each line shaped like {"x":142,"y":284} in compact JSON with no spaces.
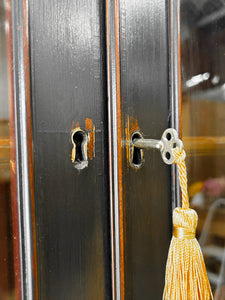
{"x":6,"y":235}
{"x":203,"y":126}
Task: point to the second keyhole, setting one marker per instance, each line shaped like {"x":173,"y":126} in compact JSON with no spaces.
{"x":79,"y":153}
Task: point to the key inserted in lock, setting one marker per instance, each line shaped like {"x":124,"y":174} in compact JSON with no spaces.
{"x":80,"y":141}
{"x":168,"y":141}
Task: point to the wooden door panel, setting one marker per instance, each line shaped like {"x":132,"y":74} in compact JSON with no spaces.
{"x":144,"y":65}
{"x":68,"y":75}
{"x":72,"y":208}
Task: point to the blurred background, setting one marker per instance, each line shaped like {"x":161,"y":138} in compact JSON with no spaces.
{"x":203,"y":126}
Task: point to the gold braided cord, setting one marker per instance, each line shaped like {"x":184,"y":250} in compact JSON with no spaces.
{"x":186,"y":276}
{"x":180,"y":155}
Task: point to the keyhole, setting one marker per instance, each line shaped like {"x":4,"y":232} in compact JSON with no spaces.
{"x":79,"y":152}
{"x":136,"y":153}
{"x":78,"y":139}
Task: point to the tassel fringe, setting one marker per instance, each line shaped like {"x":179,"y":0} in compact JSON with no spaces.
{"x":186,"y":276}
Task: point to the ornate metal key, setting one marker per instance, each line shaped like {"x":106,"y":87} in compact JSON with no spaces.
{"x":169,"y":140}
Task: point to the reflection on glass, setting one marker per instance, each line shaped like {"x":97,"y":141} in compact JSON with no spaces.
{"x":203,"y":126}
{"x":6,"y":235}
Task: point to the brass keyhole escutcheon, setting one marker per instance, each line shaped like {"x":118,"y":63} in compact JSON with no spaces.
{"x":80,"y":139}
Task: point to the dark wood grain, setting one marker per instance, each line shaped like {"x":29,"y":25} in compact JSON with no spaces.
{"x":68,"y":76}
{"x":144,"y":65}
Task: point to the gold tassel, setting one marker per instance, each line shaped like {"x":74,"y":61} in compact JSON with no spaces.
{"x":186,"y":276}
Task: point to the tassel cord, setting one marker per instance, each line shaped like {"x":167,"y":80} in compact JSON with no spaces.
{"x":179,"y":161}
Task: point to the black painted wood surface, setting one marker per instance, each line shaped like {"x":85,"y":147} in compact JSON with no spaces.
{"x":68,"y":75}
{"x":144,"y":65}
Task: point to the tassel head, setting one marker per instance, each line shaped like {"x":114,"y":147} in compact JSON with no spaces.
{"x":186,"y":276}
{"x":186,"y":219}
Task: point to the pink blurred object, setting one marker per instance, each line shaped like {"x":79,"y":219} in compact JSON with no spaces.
{"x":214,"y":187}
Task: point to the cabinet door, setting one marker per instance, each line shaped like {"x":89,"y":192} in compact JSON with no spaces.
{"x":98,"y":230}
{"x":139,"y":68}
{"x":68,"y":86}
{"x":99,"y":227}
